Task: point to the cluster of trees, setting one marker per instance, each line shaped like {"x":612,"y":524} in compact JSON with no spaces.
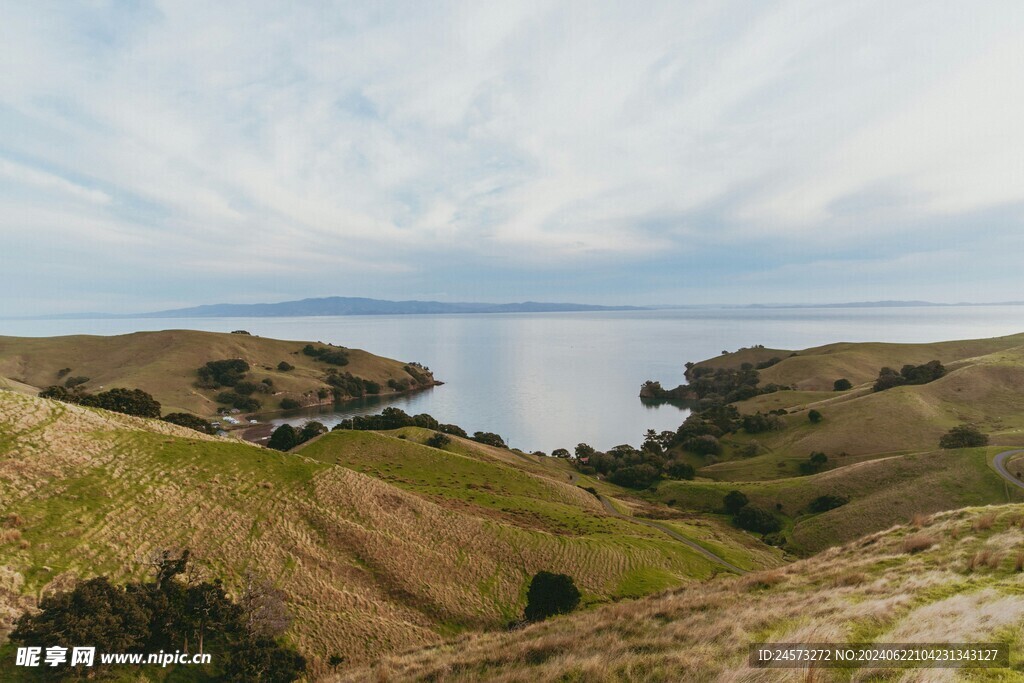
{"x":222,"y":373}
{"x":909,"y":374}
{"x":287,"y":437}
{"x":748,"y":516}
{"x":630,"y":467}
{"x":191,"y":421}
{"x":963,"y":436}
{"x":346,"y":385}
{"x":128,"y":401}
{"x":168,"y":614}
{"x":241,"y":394}
{"x":420,"y":374}
{"x":815,"y":463}
{"x":327,"y":354}
{"x":727,"y":385}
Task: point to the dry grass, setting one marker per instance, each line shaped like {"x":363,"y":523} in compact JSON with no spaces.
{"x":702,"y":633}
{"x":984,"y":522}
{"x":918,"y":543}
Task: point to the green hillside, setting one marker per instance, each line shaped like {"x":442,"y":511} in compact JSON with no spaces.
{"x":379,"y":543}
{"x":165,"y":363}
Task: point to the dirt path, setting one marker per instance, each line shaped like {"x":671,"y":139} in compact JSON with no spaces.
{"x":610,"y":509}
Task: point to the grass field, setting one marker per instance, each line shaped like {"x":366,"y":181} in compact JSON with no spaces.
{"x":380,"y":543}
{"x":954,"y":577}
{"x":164,"y":364}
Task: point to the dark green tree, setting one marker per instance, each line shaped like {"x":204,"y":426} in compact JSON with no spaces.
{"x":550,"y":594}
{"x":284,"y":438}
{"x":842,"y":384}
{"x":814,"y":416}
{"x":963,"y":436}
{"x":734,"y":502}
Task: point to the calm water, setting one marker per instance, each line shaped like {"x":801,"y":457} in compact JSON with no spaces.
{"x":551,"y":380}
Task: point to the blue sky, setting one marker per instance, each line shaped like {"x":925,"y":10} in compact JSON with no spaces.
{"x":163,"y":154}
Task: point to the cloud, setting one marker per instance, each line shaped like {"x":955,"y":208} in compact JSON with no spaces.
{"x":333,"y":141}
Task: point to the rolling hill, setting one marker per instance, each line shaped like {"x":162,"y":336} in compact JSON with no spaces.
{"x":380,"y":543}
{"x":164,"y":364}
{"x":953,"y":577}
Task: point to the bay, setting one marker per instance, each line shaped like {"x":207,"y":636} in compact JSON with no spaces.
{"x":551,"y":380}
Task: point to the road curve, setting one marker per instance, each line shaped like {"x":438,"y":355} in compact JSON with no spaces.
{"x":610,"y":509}
{"x":1000,"y":466}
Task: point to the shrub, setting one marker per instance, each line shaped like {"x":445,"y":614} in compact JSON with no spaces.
{"x":842,"y":385}
{"x":734,"y":502}
{"x":289,"y":404}
{"x":757,"y":519}
{"x":190,"y":421}
{"x":438,"y":440}
{"x":826,"y":503}
{"x":284,"y":438}
{"x":550,"y":594}
{"x":814,"y":416}
{"x":285,"y":366}
{"x":963,"y":436}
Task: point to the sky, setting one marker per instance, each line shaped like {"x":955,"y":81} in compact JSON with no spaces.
{"x":164,"y":154}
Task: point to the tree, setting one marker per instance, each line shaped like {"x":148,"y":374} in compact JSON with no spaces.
{"x":842,"y":384}
{"x":190,"y":421}
{"x":489,"y":438}
{"x":734,"y":502}
{"x":438,"y":440}
{"x":963,"y":436}
{"x":757,"y":519}
{"x":703,"y":445}
{"x":584,"y":451}
{"x":550,"y":594}
{"x":677,"y":469}
{"x":814,"y":416}
{"x":284,"y":438}
{"x":827,"y":502}
{"x":635,"y":476}
{"x":285,"y":366}
{"x":289,"y":404}
{"x":560,"y":453}
{"x":218,"y":373}
{"x":310,"y":430}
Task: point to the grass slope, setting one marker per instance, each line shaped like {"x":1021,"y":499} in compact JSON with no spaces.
{"x":379,"y":543}
{"x":964,"y":586}
{"x":164,"y":364}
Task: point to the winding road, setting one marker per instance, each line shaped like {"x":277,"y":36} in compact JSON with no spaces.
{"x":675,"y":535}
{"x":1000,"y":466}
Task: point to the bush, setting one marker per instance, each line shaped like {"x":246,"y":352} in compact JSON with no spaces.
{"x":285,"y":366}
{"x":827,"y":502}
{"x":438,"y":440}
{"x":550,"y":594}
{"x":190,"y":421}
{"x":734,"y":502}
{"x":814,"y":416}
{"x":757,"y":519}
{"x":842,"y":385}
{"x":284,"y":438}
{"x":963,"y":436}
{"x":289,"y":404}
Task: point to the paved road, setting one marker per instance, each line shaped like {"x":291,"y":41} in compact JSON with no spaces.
{"x":1000,"y":464}
{"x":610,"y":509}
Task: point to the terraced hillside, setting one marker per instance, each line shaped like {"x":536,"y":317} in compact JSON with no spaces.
{"x":954,"y":577}
{"x":165,"y":363}
{"x":380,"y":543}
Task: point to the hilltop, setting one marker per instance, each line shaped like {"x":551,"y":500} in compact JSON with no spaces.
{"x":380,"y":543}
{"x":954,"y":577}
{"x":165,"y":364}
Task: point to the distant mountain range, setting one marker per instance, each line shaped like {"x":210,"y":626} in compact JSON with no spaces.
{"x":346,"y":305}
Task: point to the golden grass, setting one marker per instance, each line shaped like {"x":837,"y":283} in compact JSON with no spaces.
{"x":869,"y":590}
{"x":164,"y":364}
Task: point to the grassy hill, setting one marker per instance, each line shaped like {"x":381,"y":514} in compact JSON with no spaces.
{"x":165,"y":363}
{"x":380,"y":543}
{"x":954,"y":577}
